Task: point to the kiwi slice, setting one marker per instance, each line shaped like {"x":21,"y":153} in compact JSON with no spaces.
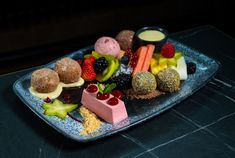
{"x":109,"y":71}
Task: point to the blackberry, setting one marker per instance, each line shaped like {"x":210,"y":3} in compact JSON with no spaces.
{"x":191,"y":68}
{"x":123,"y":81}
{"x":100,"y":64}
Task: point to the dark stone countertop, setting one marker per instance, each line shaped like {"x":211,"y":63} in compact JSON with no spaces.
{"x":200,"y":126}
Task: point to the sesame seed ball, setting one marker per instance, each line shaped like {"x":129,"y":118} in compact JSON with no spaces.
{"x":68,"y":69}
{"x":44,"y":80}
{"x":168,"y":80}
{"x":144,"y":83}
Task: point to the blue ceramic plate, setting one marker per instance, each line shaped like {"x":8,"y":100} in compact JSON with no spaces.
{"x":138,"y":110}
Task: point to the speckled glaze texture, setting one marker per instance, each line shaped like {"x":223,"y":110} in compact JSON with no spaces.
{"x":138,"y":110}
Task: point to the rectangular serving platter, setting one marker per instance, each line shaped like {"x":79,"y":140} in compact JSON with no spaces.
{"x":138,"y":110}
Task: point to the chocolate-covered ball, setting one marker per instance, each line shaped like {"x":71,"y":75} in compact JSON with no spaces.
{"x":125,"y":39}
{"x":144,"y":83}
{"x":168,"y":80}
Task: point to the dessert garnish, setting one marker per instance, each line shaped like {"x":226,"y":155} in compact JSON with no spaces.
{"x":58,"y":108}
{"x":168,"y":50}
{"x":88,"y":72}
{"x":91,"y":122}
{"x":118,"y":94}
{"x":92,"y":88}
{"x":104,"y":93}
{"x":47,"y":100}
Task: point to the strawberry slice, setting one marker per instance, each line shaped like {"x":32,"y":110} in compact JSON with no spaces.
{"x":88,"y":72}
{"x":90,"y":60}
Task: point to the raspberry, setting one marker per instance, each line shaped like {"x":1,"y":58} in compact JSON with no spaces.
{"x":168,"y":50}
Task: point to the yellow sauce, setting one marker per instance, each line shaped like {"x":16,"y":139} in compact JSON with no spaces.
{"x":56,"y":93}
{"x":151,"y":35}
{"x":75,"y":84}
{"x":51,"y":95}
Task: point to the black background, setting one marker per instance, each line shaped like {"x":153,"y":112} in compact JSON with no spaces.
{"x":38,"y":32}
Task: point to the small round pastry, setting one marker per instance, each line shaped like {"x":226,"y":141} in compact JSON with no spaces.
{"x":107,"y":46}
{"x":44,"y":80}
{"x":168,"y":80}
{"x":68,"y":70}
{"x":144,"y":82}
{"x":125,"y":39}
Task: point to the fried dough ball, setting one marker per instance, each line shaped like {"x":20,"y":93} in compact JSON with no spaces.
{"x":44,"y":80}
{"x":69,"y":70}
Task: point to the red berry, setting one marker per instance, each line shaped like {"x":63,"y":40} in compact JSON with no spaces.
{"x":118,"y":94}
{"x":67,"y":98}
{"x":102,"y":96}
{"x":79,"y":62}
{"x":90,"y":60}
{"x":88,"y":72}
{"x":129,"y":53}
{"x":168,"y":50}
{"x":92,"y":88}
{"x":47,"y":100}
{"x":112,"y":101}
{"x":134,"y":60}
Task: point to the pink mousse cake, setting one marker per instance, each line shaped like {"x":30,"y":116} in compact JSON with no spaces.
{"x":110,"y":113}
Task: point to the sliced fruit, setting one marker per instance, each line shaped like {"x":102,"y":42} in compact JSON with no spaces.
{"x":181,"y":68}
{"x":172,"y":62}
{"x":156,"y":56}
{"x":158,"y":68}
{"x":108,"y":72}
{"x":148,"y":57}
{"x":153,"y":62}
{"x":96,"y":54}
{"x":178,"y":55}
{"x":141,"y":52}
{"x":88,"y":72}
{"x":162,"y":61}
{"x":59,"y":109}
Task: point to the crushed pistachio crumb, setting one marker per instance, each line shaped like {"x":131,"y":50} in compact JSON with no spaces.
{"x":91,"y":122}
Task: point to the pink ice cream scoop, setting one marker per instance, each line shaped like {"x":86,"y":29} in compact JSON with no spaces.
{"x":107,"y":46}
